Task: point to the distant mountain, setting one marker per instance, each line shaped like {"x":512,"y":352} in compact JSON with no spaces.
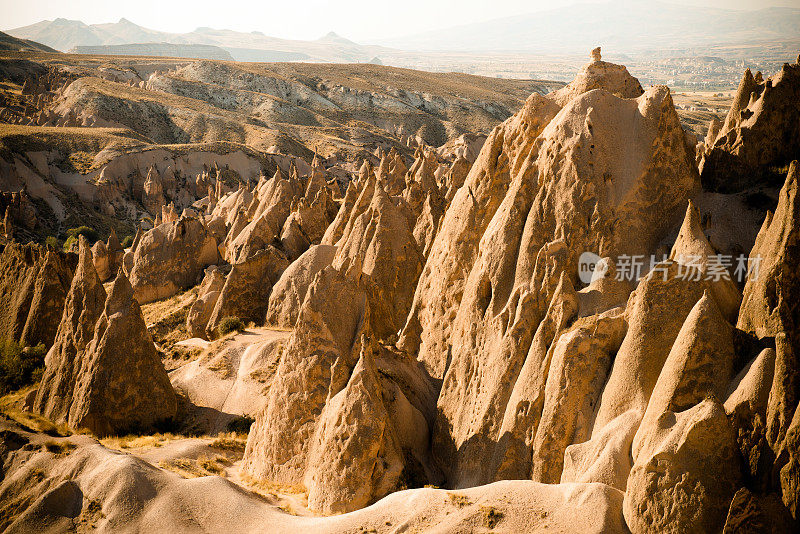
{"x":8,"y":42}
{"x":621,"y":25}
{"x":64,"y":35}
{"x":195,"y":51}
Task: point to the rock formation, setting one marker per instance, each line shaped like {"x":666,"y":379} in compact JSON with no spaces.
{"x":539,"y":320}
{"x":580,"y":361}
{"x":686,"y":476}
{"x":505,"y":157}
{"x":64,"y":362}
{"x":202,"y":308}
{"x":153,"y":192}
{"x":699,"y":365}
{"x":769,"y":310}
{"x":247,"y":287}
{"x":380,"y":240}
{"x":760,"y":133}
{"x":354,"y":457}
{"x":116,"y":382}
{"x":322,"y":351}
{"x":576,"y":186}
{"x":170,"y":258}
{"x":34,"y":282}
{"x":605,"y":458}
{"x":655,"y":313}
{"x":290,"y":290}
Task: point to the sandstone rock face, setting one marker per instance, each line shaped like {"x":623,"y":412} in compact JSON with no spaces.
{"x":606,"y":291}
{"x":247,"y":288}
{"x":108,"y":257}
{"x":354,"y":457}
{"x":769,"y":308}
{"x":768,"y":293}
{"x":357,"y":415}
{"x":381,"y":241}
{"x":34,"y":282}
{"x":64,"y":361}
{"x":751,"y":513}
{"x":122,"y":383}
{"x":321,"y":353}
{"x":207,"y":295}
{"x":761,"y":131}
{"x":170,"y":258}
{"x":685,"y":477}
{"x":580,"y":361}
{"x":101,"y":260}
{"x":335,"y":230}
{"x":699,"y":365}
{"x":599,"y":74}
{"x":521,"y":164}
{"x":605,"y":458}
{"x":790,"y":471}
{"x":153,"y":192}
{"x":655,"y":313}
{"x":611,"y":198}
{"x":290,"y":290}
{"x":441,"y":283}
{"x":691,"y":248}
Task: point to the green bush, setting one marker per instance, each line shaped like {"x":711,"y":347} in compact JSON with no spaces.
{"x":90,"y":234}
{"x":53,"y":241}
{"x":230,"y":324}
{"x":20,"y":367}
{"x":67,"y":246}
{"x":127,"y":241}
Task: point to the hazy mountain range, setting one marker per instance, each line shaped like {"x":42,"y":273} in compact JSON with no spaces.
{"x":620,"y":25}
{"x":66,"y":35}
{"x":623,"y":26}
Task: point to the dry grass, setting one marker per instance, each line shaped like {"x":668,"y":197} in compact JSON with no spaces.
{"x":272,"y":489}
{"x":222,"y":365}
{"x":132,"y":441}
{"x":16,"y":399}
{"x":59,"y":448}
{"x":491,"y":516}
{"x":284,"y":496}
{"x":230,"y":441}
{"x":194,"y":468}
{"x":36,"y":423}
{"x":460,"y":501}
{"x":166,"y":319}
{"x":91,"y":514}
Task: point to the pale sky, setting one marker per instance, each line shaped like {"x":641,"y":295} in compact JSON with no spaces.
{"x":359,"y":20}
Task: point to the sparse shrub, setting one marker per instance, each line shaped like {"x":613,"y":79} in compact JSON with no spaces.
{"x":20,"y":367}
{"x":201,"y":467}
{"x":59,"y":448}
{"x":127,"y":241}
{"x":230,"y":324}
{"x":90,"y":234}
{"x":53,"y":242}
{"x":491,"y":516}
{"x":231,"y":442}
{"x":69,"y":243}
{"x":240,"y":424}
{"x":459,"y":500}
{"x":214,"y":465}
